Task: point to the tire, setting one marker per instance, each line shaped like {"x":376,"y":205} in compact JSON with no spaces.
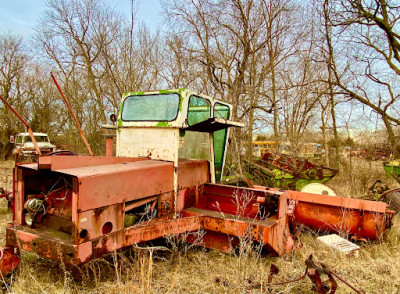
{"x":393,"y":199}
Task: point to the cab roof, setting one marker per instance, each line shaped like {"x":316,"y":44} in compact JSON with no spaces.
{"x":34,"y":133}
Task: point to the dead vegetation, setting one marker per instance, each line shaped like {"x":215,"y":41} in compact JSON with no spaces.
{"x":183,"y":268}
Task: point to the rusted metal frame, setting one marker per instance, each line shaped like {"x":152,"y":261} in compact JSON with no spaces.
{"x":226,"y":190}
{"x":26,"y":125}
{"x":348,"y":203}
{"x":73,"y":115}
{"x":158,"y":229}
{"x":48,"y":246}
{"x":75,"y":214}
{"x":18,"y":215}
{"x":139,"y":203}
{"x":212,"y":157}
{"x":264,"y":231}
{"x":29,"y":240}
{"x":250,"y":212}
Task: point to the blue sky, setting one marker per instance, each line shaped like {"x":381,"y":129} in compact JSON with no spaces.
{"x":20,"y":16}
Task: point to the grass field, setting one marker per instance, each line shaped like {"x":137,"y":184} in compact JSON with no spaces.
{"x":181,"y":268}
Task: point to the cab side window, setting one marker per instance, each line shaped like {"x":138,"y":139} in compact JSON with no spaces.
{"x":199,"y":110}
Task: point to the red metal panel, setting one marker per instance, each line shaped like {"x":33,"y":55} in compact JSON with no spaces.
{"x":159,"y":229}
{"x":64,"y":162}
{"x":347,"y":203}
{"x":363,"y":218}
{"x":213,"y":240}
{"x":91,"y":223}
{"x":110,"y":184}
{"x":192,"y":172}
{"x":273,"y":233}
{"x":364,"y":224}
{"x":19,"y":198}
{"x":187,"y":198}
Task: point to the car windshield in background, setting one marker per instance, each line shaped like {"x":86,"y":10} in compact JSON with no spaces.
{"x":38,"y":139}
{"x":156,"y":107}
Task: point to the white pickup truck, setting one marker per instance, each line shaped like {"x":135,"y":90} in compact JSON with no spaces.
{"x":24,"y":150}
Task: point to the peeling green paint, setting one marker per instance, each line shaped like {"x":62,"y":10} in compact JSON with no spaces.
{"x":180,"y":103}
{"x":166,"y":91}
{"x":163,"y":124}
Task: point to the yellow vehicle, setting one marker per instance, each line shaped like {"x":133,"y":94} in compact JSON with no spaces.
{"x":261,"y":147}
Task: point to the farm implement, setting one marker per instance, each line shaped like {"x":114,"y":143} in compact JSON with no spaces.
{"x":381,"y":192}
{"x":288,"y":172}
{"x":170,"y":150}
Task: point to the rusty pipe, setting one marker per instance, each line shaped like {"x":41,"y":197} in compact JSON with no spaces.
{"x":25,"y":123}
{"x":73,"y":115}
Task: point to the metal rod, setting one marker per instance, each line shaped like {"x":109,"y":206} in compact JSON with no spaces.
{"x":348,"y":284}
{"x":25,"y":123}
{"x":73,"y":115}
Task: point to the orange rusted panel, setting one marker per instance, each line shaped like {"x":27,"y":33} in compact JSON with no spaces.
{"x":109,"y":146}
{"x":93,"y":223}
{"x":272,"y":232}
{"x":187,"y":198}
{"x":64,"y":162}
{"x":212,"y":240}
{"x":9,"y":261}
{"x":362,"y":218}
{"x":349,"y":203}
{"x":58,"y":246}
{"x":192,"y":172}
{"x":159,"y":229}
{"x":110,"y":184}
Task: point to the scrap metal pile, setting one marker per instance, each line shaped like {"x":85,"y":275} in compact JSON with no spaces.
{"x":288,"y":172}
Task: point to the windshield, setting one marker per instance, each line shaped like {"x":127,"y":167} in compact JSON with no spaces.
{"x":155,"y":107}
{"x":38,"y":139}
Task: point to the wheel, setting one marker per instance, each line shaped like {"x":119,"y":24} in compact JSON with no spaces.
{"x":393,"y":199}
{"x":317,"y":188}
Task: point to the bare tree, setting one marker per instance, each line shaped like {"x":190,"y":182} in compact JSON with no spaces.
{"x":13,"y":64}
{"x":99,"y":56}
{"x":366,"y":57}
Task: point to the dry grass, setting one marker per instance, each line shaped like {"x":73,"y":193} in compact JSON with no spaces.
{"x":191,"y":269}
